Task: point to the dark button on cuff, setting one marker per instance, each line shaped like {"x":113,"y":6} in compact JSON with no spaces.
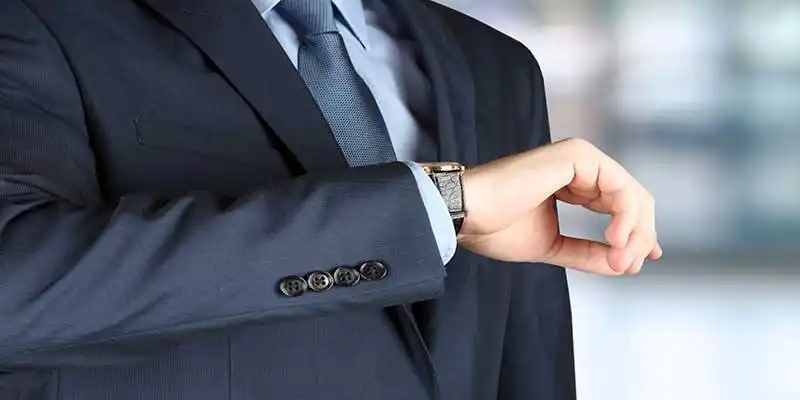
{"x":373,"y":270}
{"x":319,"y":281}
{"x":292,"y":286}
{"x":345,"y":276}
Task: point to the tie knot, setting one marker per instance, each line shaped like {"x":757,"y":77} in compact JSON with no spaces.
{"x":310,"y":17}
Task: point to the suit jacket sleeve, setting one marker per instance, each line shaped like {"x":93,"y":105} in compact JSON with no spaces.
{"x":538,"y":359}
{"x":86,"y":280}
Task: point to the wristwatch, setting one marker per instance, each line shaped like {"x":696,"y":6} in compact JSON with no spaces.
{"x":448,"y":178}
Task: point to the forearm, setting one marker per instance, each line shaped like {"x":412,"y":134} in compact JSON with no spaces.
{"x":151,"y":270}
{"x":85,"y":279}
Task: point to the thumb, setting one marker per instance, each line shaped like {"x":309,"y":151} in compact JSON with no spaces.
{"x":582,"y":255}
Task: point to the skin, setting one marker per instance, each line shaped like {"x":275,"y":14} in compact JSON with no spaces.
{"x":510,"y":213}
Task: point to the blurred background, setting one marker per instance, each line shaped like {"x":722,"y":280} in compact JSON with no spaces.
{"x":700,"y":99}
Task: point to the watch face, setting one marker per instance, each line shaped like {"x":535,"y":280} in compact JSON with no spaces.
{"x":449,"y":184}
{"x":448,"y":178}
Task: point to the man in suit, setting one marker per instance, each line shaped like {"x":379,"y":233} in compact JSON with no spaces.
{"x":233,"y":199}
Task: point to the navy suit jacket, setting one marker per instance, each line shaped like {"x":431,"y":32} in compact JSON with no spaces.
{"x":163,"y":167}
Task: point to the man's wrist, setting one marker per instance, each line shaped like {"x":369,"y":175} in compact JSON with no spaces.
{"x":471,"y":199}
{"x":448,"y":178}
{"x":438,"y":215}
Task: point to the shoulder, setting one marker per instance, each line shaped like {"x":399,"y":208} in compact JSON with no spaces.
{"x":481,"y":37}
{"x":507,"y":80}
{"x":491,"y":54}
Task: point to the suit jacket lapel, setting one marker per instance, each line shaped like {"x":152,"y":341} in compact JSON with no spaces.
{"x":238,"y":41}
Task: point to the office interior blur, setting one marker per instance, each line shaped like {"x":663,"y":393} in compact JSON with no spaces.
{"x":700,"y":99}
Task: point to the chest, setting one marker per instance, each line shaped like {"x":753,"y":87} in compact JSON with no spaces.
{"x":172,"y":110}
{"x":160,"y":116}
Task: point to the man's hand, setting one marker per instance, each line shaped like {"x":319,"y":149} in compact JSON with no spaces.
{"x":511,"y":216}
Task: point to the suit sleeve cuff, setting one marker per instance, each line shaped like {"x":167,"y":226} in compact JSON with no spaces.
{"x":438,"y":214}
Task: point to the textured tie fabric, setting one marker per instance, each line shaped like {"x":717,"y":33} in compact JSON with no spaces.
{"x":343,"y":97}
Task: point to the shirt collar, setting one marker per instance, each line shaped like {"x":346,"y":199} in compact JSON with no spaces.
{"x":352,"y":11}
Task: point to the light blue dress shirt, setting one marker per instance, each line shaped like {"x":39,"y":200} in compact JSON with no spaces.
{"x":386,"y":64}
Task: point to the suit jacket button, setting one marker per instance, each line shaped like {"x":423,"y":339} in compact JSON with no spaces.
{"x":319,"y":281}
{"x":373,"y":270}
{"x":292,"y":286}
{"x":344,"y":276}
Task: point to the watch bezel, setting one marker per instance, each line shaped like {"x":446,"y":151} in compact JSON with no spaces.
{"x":442,"y":167}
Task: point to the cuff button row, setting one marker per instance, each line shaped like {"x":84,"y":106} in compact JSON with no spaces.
{"x":319,"y":281}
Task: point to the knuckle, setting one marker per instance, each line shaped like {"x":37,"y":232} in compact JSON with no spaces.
{"x":579,"y":144}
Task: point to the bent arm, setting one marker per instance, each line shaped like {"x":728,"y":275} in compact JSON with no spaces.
{"x":86,"y":281}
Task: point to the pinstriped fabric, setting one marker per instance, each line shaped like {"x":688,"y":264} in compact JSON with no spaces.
{"x":343,"y":97}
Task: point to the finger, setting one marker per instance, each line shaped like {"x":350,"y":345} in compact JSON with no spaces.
{"x":618,"y":193}
{"x":581,"y":254}
{"x":656,"y":253}
{"x":593,"y":203}
{"x":593,"y":170}
{"x":639,"y":245}
{"x":588,"y":194}
{"x":616,"y":258}
{"x":649,"y":217}
{"x":623,"y":221}
{"x":568,"y":196}
{"x":638,"y":263}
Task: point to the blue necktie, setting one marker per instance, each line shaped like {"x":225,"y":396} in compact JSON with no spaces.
{"x":342,"y":96}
